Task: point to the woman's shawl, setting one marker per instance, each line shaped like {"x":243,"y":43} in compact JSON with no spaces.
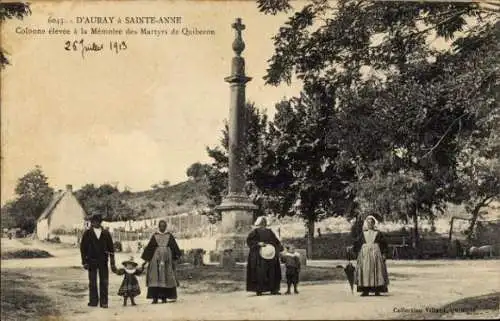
{"x":265,"y":235}
{"x":152,"y":245}
{"x":379,"y":239}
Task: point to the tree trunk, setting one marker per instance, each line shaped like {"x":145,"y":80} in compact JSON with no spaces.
{"x":475,"y":215}
{"x":451,"y":229}
{"x":310,"y":239}
{"x":350,"y":207}
{"x":433,"y":224}
{"x":415,"y":238}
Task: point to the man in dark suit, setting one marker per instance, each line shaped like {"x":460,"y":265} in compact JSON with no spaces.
{"x":96,"y":246}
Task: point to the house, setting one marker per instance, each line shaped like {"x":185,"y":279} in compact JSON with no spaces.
{"x":64,"y":214}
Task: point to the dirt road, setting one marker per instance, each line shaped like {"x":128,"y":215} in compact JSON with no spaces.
{"x":428,"y":285}
{"x":414,"y":285}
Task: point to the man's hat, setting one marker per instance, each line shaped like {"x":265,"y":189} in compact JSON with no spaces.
{"x":96,"y":217}
{"x":130,"y":261}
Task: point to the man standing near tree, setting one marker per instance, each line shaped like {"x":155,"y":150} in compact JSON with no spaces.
{"x":95,"y":248}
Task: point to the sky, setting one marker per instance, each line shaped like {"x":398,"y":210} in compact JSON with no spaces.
{"x":134,"y":118}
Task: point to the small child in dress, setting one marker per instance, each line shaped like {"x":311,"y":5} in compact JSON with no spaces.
{"x":130,"y":285}
{"x":292,"y":264}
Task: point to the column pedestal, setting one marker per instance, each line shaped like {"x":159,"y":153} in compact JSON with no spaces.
{"x":237,"y":213}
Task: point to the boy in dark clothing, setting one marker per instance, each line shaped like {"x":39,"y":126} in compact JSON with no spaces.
{"x":95,"y":248}
{"x":292,"y":264}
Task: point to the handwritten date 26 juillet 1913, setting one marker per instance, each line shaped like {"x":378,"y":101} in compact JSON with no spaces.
{"x":83,"y":47}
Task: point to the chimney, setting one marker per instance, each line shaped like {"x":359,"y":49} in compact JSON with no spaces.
{"x":69,"y":188}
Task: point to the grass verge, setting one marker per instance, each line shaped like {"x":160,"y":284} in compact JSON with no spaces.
{"x":215,"y":279}
{"x":22,"y":299}
{"x":483,"y":306}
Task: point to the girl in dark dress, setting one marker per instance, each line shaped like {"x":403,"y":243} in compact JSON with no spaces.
{"x":263,"y":275}
{"x":161,"y":253}
{"x":130,"y":285}
{"x":371,"y":271}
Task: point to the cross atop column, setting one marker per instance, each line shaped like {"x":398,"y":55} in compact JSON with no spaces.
{"x":238,"y":26}
{"x":238,"y":44}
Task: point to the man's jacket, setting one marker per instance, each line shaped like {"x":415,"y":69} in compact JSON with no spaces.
{"x":96,"y":250}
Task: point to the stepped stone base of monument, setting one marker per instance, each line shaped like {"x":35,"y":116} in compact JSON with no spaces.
{"x":237,"y":219}
{"x":232,"y":248}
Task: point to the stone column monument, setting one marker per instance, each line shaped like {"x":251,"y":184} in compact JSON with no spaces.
{"x":236,"y":207}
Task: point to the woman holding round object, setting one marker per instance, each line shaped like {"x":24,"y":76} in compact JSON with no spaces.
{"x":263,"y":268}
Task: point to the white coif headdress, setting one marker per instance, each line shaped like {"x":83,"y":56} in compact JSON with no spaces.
{"x":365,"y":225}
{"x":260,"y":221}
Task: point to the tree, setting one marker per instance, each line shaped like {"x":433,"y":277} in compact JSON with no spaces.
{"x":314,"y":47}
{"x":105,"y":199}
{"x":443,"y":118}
{"x":256,"y":127}
{"x":428,"y":115}
{"x":478,"y":181}
{"x":198,"y":171}
{"x":401,"y":196}
{"x":475,"y":81}
{"x":415,"y":109}
{"x":33,"y":196}
{"x":34,"y":185}
{"x":480,"y":185}
{"x":9,"y":10}
{"x":8,"y":220}
{"x":305,"y":172}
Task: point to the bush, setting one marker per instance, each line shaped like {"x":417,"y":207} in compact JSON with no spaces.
{"x":61,"y":231}
{"x":215,"y":256}
{"x":54,"y":239}
{"x":118,"y":246}
{"x":26,"y":254}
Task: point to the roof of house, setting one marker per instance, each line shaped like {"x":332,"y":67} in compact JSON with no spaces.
{"x":55,"y":200}
{"x":53,"y":204}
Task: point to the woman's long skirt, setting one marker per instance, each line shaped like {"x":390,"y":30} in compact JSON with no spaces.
{"x":162,"y":293}
{"x":161,"y":280}
{"x":371,"y":270}
{"x":262,"y":275}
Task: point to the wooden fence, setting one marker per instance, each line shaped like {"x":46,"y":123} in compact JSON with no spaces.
{"x":182,"y":226}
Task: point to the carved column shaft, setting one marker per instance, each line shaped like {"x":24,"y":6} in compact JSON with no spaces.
{"x":236,"y":208}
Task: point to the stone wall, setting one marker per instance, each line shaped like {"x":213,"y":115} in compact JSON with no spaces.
{"x":334,"y":246}
{"x":487,"y":233}
{"x":326,"y":247}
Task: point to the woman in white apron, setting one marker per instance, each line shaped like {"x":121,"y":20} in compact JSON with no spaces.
{"x":161,"y":253}
{"x":371,"y":271}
